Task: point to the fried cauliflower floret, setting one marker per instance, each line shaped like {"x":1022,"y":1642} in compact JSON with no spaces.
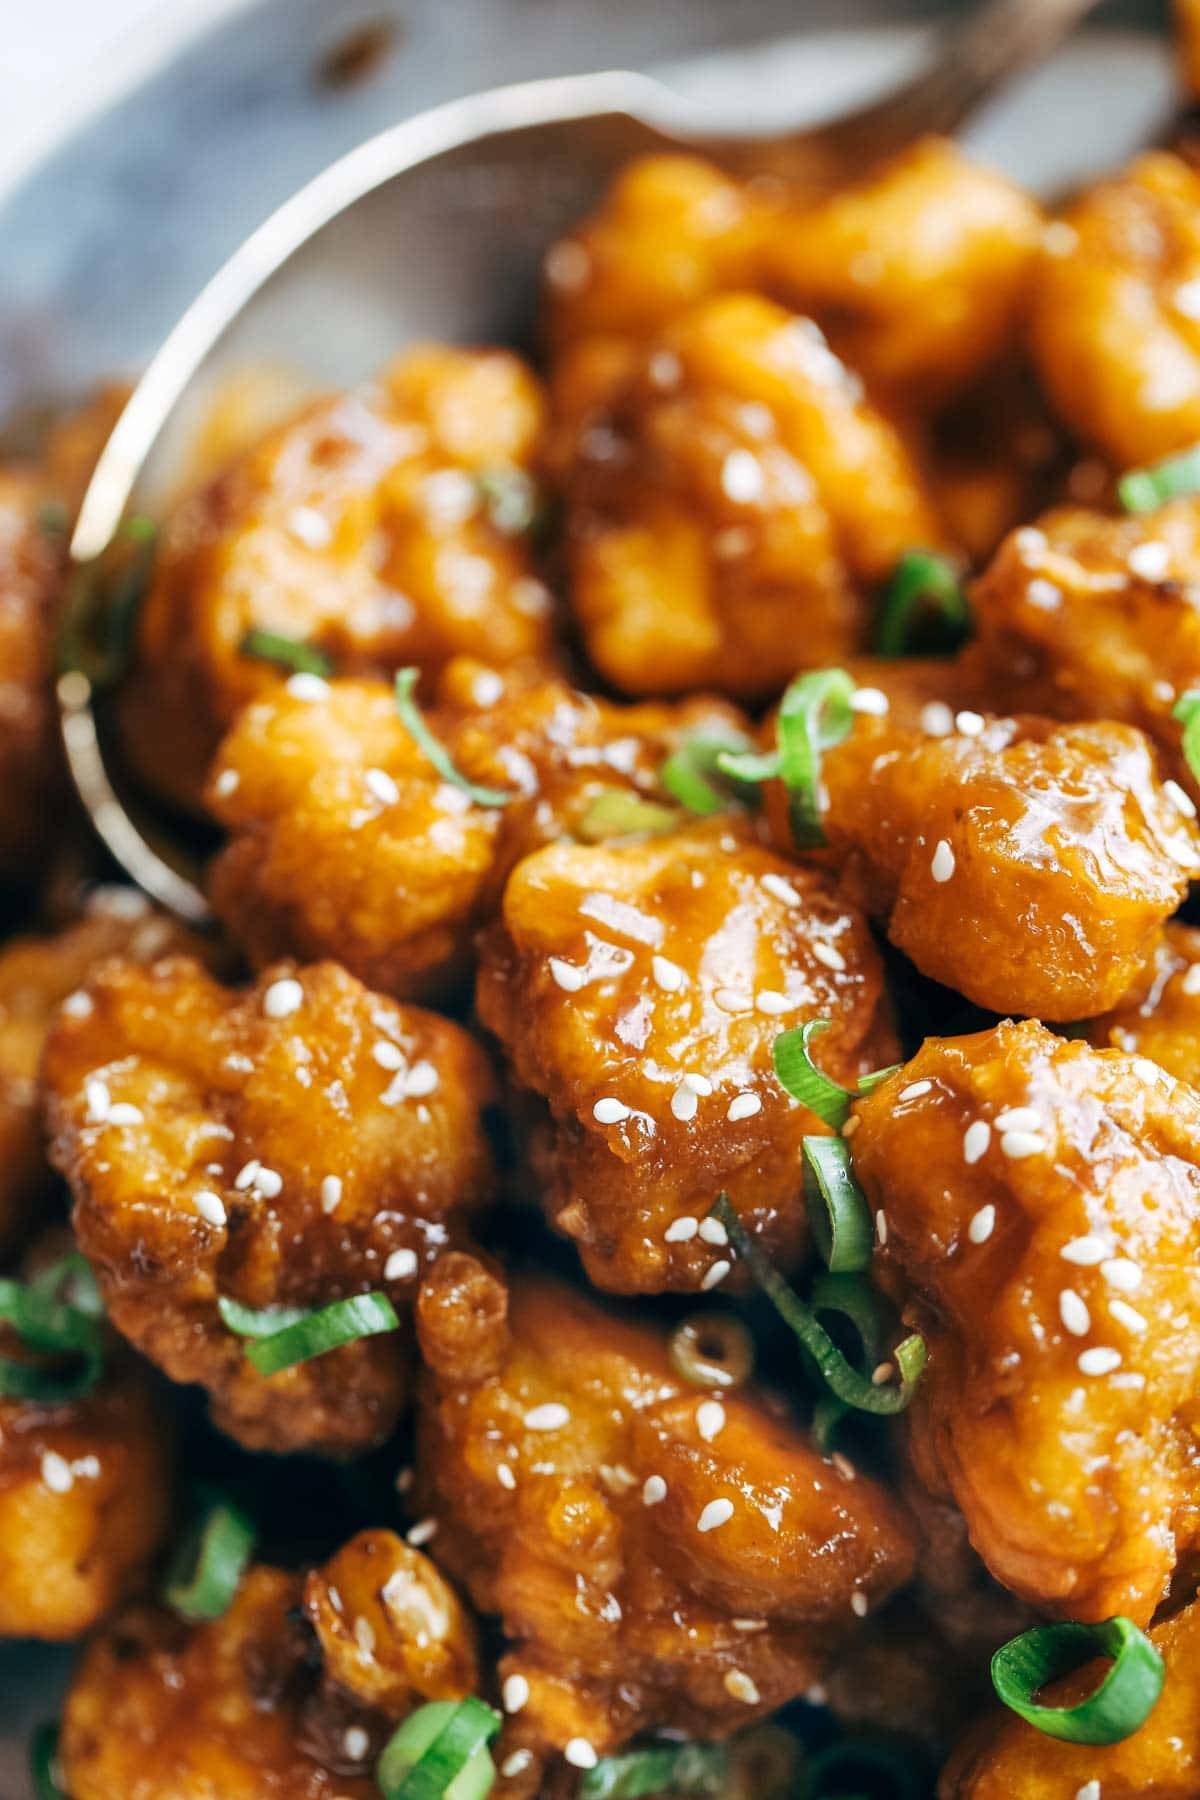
{"x":1160,"y":1015}
{"x":163,"y":1710}
{"x":1042,"y":1208}
{"x":346,"y":842}
{"x":289,"y":1145}
{"x":362,"y":527}
{"x":31,"y":565}
{"x":1088,"y":616}
{"x":1115,"y":326}
{"x":638,"y":989}
{"x":920,"y":273}
{"x":1187,"y":30}
{"x":1003,"y":1758}
{"x":1028,"y":865}
{"x":655,"y":1563}
{"x":723,"y":517}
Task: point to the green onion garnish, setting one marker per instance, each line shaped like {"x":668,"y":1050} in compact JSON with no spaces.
{"x":414,"y":724}
{"x":440,"y":1753}
{"x":52,"y":1325}
{"x":43,"y":1764}
{"x":1116,"y":1709}
{"x":205,"y":1573}
{"x":814,"y":714}
{"x":804,"y":1081}
{"x":620,"y":813}
{"x":854,"y":1299}
{"x":1142,"y":490}
{"x":1187,"y":711}
{"x":288,"y":653}
{"x":842,"y":1226}
{"x":102,"y":603}
{"x":712,"y":1350}
{"x":659,"y":1769}
{"x":922,"y":583}
{"x":692,"y":776}
{"x":510,"y":499}
{"x":842,"y":1379}
{"x":303,"y":1335}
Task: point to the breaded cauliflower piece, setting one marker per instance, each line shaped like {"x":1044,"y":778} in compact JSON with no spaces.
{"x":288,"y":1145}
{"x":725,"y":514}
{"x":31,"y":572}
{"x":1160,"y":1015}
{"x":638,"y":989}
{"x":657,"y":1559}
{"x":363,"y":527}
{"x":1115,"y":328}
{"x":346,"y":842}
{"x":1041,"y":1223}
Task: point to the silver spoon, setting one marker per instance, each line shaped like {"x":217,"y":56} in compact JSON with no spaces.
{"x":443,"y":221}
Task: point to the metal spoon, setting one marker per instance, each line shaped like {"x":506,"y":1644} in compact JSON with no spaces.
{"x":443,"y":221}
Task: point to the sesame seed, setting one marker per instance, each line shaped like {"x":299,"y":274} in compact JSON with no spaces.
{"x":742,"y":477}
{"x":844,"y":1466}
{"x":381,"y":787}
{"x":505,"y":1477}
{"x":283,"y":998}
{"x":859,"y":1604}
{"x":970,"y":724}
{"x":302,"y":686}
{"x":1089,"y":1791}
{"x":388,"y":1055}
{"x":568,"y":976}
{"x":730,"y":1001}
{"x":881,"y":1228}
{"x":1018,"y":1118}
{"x":356,"y":1743}
{"x":771,"y":1002}
{"x":715,"y":1514}
{"x":404,"y":1480}
{"x":976,"y":1139}
{"x":1019,"y":1144}
{"x":982,"y":1225}
{"x":98,"y":1099}
{"x":1190,"y":983}
{"x":269,"y":1182}
{"x":515,"y":1693}
{"x":610,"y":1111}
{"x":713,"y":1232}
{"x":937,"y":720}
{"x":227,"y":782}
{"x":580,"y":1755}
{"x":331,"y":1193}
{"x":1150,"y":560}
{"x":942,"y":865}
{"x":654,"y":1490}
{"x":56,"y":1473}
{"x":871,"y":700}
{"x":551,"y":1416}
{"x":882,"y":1373}
{"x":1043,"y":594}
{"x":80,"y":1005}
{"x":781,"y":888}
{"x":1073,"y":1312}
{"x":1180,"y":800}
{"x":914,"y":1090}
{"x":401,"y":1265}
{"x":667,"y":975}
{"x":423,"y":1080}
{"x":710,"y":1419}
{"x":1086,"y":1251}
{"x":851,"y":1126}
{"x":486,"y":688}
{"x":739,"y":1686}
{"x":516,"y":1764}
{"x":247,"y":1175}
{"x":827,"y":954}
{"x":681,"y":1231}
{"x":210,"y":1206}
{"x":665,"y":369}
{"x":743,"y":1106}
{"x":1099,"y":1360}
{"x":748,"y":1624}
{"x":1127,"y":1315}
{"x":715,"y":1275}
{"x":121,"y":1113}
{"x":1120,"y":1273}
{"x":684,"y":1103}
{"x":421,"y":1533}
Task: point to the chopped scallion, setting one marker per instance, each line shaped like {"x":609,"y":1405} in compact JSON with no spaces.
{"x":510,"y":498}
{"x":52,"y":1326}
{"x":814,"y":715}
{"x":440,"y":1753}
{"x":1143,"y":490}
{"x":841,"y":1225}
{"x":804,"y":1081}
{"x":410,"y":715}
{"x":272,"y":1347}
{"x":693,"y":776}
{"x":43,"y":1764}
{"x":683,"y":1769}
{"x":712,"y":1350}
{"x":288,"y":653}
{"x":1114,"y":1710}
{"x":922,"y":584}
{"x":620,"y":813}
{"x":1187,"y":711}
{"x":204,"y":1577}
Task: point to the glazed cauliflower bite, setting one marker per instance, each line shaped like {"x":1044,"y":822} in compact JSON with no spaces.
{"x":1038,"y":1212}
{"x":657,"y":1559}
{"x":1115,"y":316}
{"x":346,"y":842}
{"x":1089,"y":616}
{"x":725,"y":514}
{"x":1028,"y":865}
{"x":31,"y":565}
{"x":638,"y":989}
{"x":361,"y":527}
{"x":1002,"y":1758}
{"x":292,"y":1144}
{"x":1160,"y":1015}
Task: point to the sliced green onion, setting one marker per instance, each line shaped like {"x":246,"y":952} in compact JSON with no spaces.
{"x":921,"y":583}
{"x":842,"y":1379}
{"x":43,"y":1764}
{"x":102,"y":603}
{"x":1187,"y":711}
{"x":289,"y":653}
{"x":70,"y":1279}
{"x":692,"y":775}
{"x":804,"y":1081}
{"x":510,"y":499}
{"x":204,"y":1575}
{"x":848,"y":1767}
{"x":842,"y":1225}
{"x":828,"y":1415}
{"x":867,"y":1082}
{"x":814,"y":714}
{"x":659,"y":1769}
{"x":273,"y":1347}
{"x":1142,"y":490}
{"x":1116,"y":1709}
{"x":620,"y":813}
{"x":856,"y":1300}
{"x":414,"y":724}
{"x":712,"y":1350}
{"x":50,"y":1326}
{"x":440,"y":1753}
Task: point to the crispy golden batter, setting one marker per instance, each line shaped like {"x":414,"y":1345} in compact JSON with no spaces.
{"x":232,"y":1710}
{"x":1160,"y":1015}
{"x":1026,"y":864}
{"x":361,"y":527}
{"x":638,"y":988}
{"x":31,"y":563}
{"x":725,"y":513}
{"x":292,"y":1144}
{"x":1115,"y":326}
{"x":920,"y":273}
{"x":346,"y":842}
{"x":1088,"y":616}
{"x":1005,"y":1759}
{"x":1042,"y":1221}
{"x":630,"y":1606}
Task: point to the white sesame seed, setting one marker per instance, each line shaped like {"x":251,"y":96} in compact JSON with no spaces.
{"x":982,"y":1225}
{"x":388,"y":1055}
{"x":227,"y":782}
{"x":303,"y":686}
{"x":937,"y":720}
{"x":748,"y":1624}
{"x":1019,"y":1144}
{"x":401,"y":1265}
{"x":610,"y":1111}
{"x":882,"y":1373}
{"x":771,"y":1002}
{"x":580,"y":1755}
{"x":516,"y":1764}
{"x":551,"y":1416}
{"x":283,"y":998}
{"x":881,"y":1227}
{"x":871,"y":700}
{"x":269,"y":1183}
{"x":742,"y":477}
{"x":568,"y":976}
{"x":80,"y":1005}
{"x":99,"y":1100}
{"x":1180,"y":800}
{"x":515,"y":1693}
{"x":1073,"y":1312}
{"x":486,"y":688}
{"x":699,"y":1084}
{"x":941,"y":866}
{"x":743,"y":1106}
{"x":684,"y":1103}
{"x":247,"y":1175}
{"x":654,"y":1490}
{"x":356,"y":1743}
{"x":210,"y":1206}
{"x":859,"y":1604}
{"x":781,"y":888}
{"x":1089,"y":1791}
{"x":715,"y":1514}
{"x":976,"y":1139}
{"x":844,"y":1466}
{"x":1086,"y":1251}
{"x":667,"y":975}
{"x":739,"y":1686}
{"x":1018,"y":1118}
{"x":715,"y":1275}
{"x":1099,"y":1360}
{"x":1043,"y":594}
{"x":87,"y":1466}
{"x":914,"y":1090}
{"x":1189,"y":985}
{"x":1120,"y":1273}
{"x":1150,"y":560}
{"x":1127,"y":1315}
{"x":423,"y":1080}
{"x":827,"y":954}
{"x":710,"y":1419}
{"x":851,"y":1126}
{"x":57,"y":1474}
{"x":505,"y":1477}
{"x":121,"y":1113}
{"x":331,"y":1193}
{"x":681,"y":1231}
{"x":381,"y":787}
{"x":421,"y":1532}
{"x":970,"y":724}
{"x":713,"y":1232}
